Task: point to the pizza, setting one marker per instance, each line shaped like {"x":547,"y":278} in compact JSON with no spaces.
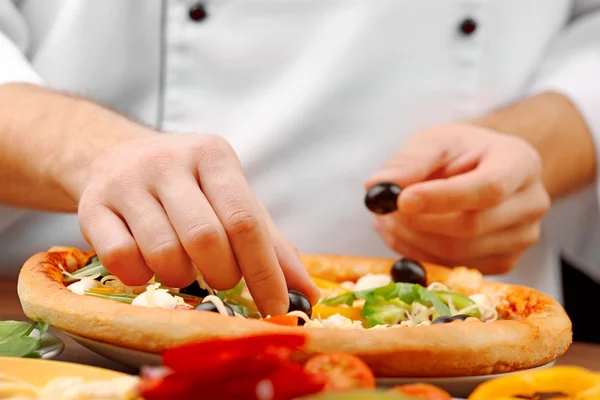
{"x":402,"y":317}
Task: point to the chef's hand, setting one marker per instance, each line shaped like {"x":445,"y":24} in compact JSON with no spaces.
{"x":170,"y":204}
{"x":471,"y":196}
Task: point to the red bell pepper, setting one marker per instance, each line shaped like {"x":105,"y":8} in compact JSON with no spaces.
{"x":234,"y":369}
{"x":224,"y":350}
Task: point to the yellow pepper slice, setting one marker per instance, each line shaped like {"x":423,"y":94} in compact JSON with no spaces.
{"x":325,"y":284}
{"x":575,"y":382}
{"x":103,"y":290}
{"x":323,"y":312}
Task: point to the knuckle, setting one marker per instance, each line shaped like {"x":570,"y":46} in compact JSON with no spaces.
{"x":162,"y":250}
{"x":545,"y":202}
{"x":493,"y":192}
{"x":449,"y":250}
{"x":470,"y":225}
{"x":212,"y":148}
{"x":531,"y":236}
{"x":157,"y":158}
{"x":117,"y":253}
{"x":201,"y":236}
{"x":260,"y":275}
{"x":241,"y":222}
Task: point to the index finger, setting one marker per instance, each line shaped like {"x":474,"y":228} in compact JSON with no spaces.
{"x":495,"y":178}
{"x":225,"y":186}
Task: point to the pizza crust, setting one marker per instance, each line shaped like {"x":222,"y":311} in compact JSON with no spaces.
{"x":538,"y":332}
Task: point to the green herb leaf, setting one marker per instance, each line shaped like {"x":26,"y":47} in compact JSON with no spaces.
{"x":13,"y":328}
{"x":243,"y":310}
{"x":15,"y":340}
{"x":427,"y":296}
{"x":123,"y":298}
{"x":18,"y":346}
{"x":346,"y":298}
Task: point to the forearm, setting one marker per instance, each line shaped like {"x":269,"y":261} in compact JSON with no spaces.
{"x":551,"y":124}
{"x":47,"y":141}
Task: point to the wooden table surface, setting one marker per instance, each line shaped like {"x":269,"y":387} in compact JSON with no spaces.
{"x":581,"y":354}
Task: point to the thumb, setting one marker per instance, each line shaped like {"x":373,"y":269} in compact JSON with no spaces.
{"x":412,"y":163}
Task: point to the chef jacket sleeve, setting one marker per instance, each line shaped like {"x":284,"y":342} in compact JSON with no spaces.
{"x":14,"y":66}
{"x":572,"y":67}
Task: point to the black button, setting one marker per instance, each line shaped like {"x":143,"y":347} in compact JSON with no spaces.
{"x":197,"y":12}
{"x":468,"y":26}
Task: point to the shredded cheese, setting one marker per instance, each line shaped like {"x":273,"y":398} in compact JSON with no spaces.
{"x":155,"y":297}
{"x":82,"y":285}
{"x":299,"y":314}
{"x":217,"y":302}
{"x":437,"y":287}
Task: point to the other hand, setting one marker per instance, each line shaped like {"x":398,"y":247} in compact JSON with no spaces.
{"x":471,"y":196}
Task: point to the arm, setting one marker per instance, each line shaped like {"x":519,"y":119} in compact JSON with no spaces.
{"x":558,"y":131}
{"x":46,"y":142}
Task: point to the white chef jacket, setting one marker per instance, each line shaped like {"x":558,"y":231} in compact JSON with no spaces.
{"x":313,"y":95}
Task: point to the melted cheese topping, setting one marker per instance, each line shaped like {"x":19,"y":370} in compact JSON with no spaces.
{"x":371,"y":281}
{"x":335,"y":321}
{"x":82,"y":285}
{"x":159,"y":298}
{"x":217,"y":302}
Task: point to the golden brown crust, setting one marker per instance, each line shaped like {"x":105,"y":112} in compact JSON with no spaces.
{"x":538,"y":330}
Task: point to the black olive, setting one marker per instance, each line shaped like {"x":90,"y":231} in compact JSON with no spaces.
{"x":194,"y":290}
{"x":443,"y":320}
{"x":209,"y":306}
{"x":383,"y":198}
{"x":299,"y":302}
{"x":461,"y":317}
{"x":409,"y":271}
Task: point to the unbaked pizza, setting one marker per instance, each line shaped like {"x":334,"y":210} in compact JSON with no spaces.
{"x":402,"y":317}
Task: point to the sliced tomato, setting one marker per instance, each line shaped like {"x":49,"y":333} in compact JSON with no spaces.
{"x":286,"y":320}
{"x":342,"y":371}
{"x":423,"y":391}
{"x":324,"y":312}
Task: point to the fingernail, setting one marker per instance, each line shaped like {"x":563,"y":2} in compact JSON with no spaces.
{"x":411,"y":203}
{"x":275,"y":307}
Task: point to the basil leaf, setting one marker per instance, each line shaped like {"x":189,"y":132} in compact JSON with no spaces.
{"x":18,"y":346}
{"x":13,"y":328}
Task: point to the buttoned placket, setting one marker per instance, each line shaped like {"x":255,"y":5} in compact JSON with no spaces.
{"x":468,"y":42}
{"x":183,"y":18}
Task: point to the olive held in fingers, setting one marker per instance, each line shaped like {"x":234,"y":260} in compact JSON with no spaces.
{"x":299,"y":302}
{"x":383,"y":198}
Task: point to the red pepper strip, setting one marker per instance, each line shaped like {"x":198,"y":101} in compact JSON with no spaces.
{"x":243,"y":359}
{"x":180,"y":358}
{"x":218,"y":380}
{"x":289,"y":381}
